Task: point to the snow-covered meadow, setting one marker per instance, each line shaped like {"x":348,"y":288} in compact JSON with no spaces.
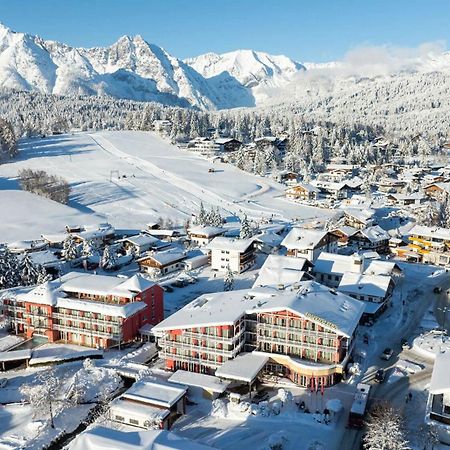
{"x":130,"y":178}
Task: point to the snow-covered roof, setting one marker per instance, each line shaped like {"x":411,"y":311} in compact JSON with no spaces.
{"x":164,"y":258}
{"x":230,"y":244}
{"x":108,"y":438}
{"x":207,"y":231}
{"x":402,"y":197}
{"x":375,"y":234}
{"x":378,"y":267}
{"x":363,"y":215}
{"x":346,"y":230}
{"x":140,"y":240}
{"x":334,"y":310}
{"x":225,"y":140}
{"x":45,"y":258}
{"x":21,"y":246}
{"x":440,"y":379}
{"x":122,"y":406}
{"x":15,"y":355}
{"x":55,"y":238}
{"x":303,"y":238}
{"x":369,"y":285}
{"x":103,"y":284}
{"x":157,"y":392}
{"x":207,"y":382}
{"x":306,"y":186}
{"x":435,"y":232}
{"x":281,"y":270}
{"x":444,"y":186}
{"x":269,"y":238}
{"x":245,"y":367}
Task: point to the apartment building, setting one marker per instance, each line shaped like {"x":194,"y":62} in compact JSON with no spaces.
{"x":305,"y":332}
{"x":430,"y":244}
{"x":237,"y":254}
{"x":309,"y":244}
{"x":80,"y":308}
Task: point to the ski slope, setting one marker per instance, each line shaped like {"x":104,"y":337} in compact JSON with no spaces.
{"x":156,"y":179}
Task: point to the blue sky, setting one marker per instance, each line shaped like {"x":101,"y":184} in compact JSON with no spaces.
{"x":306,"y":30}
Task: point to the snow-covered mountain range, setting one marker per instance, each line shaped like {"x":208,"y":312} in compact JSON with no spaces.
{"x":133,"y":69}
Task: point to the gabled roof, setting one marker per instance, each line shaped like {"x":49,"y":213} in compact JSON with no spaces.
{"x":230,"y":244}
{"x":207,"y":231}
{"x":281,"y":270}
{"x":369,"y":285}
{"x":375,"y":234}
{"x":164,"y":258}
{"x":140,"y":240}
{"x":440,"y":379}
{"x":306,"y":186}
{"x":303,"y":238}
{"x":364,"y":215}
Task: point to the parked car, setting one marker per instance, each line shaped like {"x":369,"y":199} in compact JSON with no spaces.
{"x":380,"y":375}
{"x":261,"y":396}
{"x":387,"y":354}
{"x":437,"y":290}
{"x":3,"y":382}
{"x":405,"y":344}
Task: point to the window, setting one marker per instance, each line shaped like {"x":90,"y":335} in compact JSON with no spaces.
{"x":120,"y":418}
{"x":134,"y":422}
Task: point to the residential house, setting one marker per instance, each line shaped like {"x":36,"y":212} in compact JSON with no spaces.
{"x":149,"y":404}
{"x":237,"y":254}
{"x":162,"y":126}
{"x":161,"y":263}
{"x":406,"y":199}
{"x":332,"y":190}
{"x":202,"y":235}
{"x":359,"y":218}
{"x":438,"y":190}
{"x":371,"y":238}
{"x":309,"y":244}
{"x":140,"y":243}
{"x":302,"y":192}
{"x":203,"y":145}
{"x":344,"y":233}
{"x":227,"y":145}
{"x":391,"y":185}
{"x":86,"y":309}
{"x":306,"y":333}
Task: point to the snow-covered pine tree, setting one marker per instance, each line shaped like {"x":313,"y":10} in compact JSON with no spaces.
{"x":228,"y":282}
{"x":70,"y":249}
{"x":201,"y":217}
{"x":10,"y":275}
{"x":385,"y":430}
{"x":109,"y":259}
{"x":42,"y":275}
{"x":246,"y":230}
{"x":28,"y":272}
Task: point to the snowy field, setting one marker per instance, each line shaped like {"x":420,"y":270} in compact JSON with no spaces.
{"x":156,"y":179}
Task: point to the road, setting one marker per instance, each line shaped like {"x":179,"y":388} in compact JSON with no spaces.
{"x":396,"y":392}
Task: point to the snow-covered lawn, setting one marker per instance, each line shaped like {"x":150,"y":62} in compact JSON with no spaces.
{"x":160,"y":180}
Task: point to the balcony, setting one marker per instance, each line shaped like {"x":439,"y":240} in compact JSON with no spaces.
{"x":84,"y":319}
{"x":87,"y":332}
{"x":297,"y":331}
{"x":290,"y":343}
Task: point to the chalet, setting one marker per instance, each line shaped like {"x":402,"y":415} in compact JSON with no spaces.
{"x":54,"y":240}
{"x":391,"y":185}
{"x":166,"y":235}
{"x":438,"y":190}
{"x":46,"y":259}
{"x":344,"y":233}
{"x":237,"y":254}
{"x":268,"y":141}
{"x":371,"y":238}
{"x":359,"y":218}
{"x":150,"y":404}
{"x":204,"y":146}
{"x":227,"y":145}
{"x":309,"y":244}
{"x":86,"y":309}
{"x":302,"y":192}
{"x":100,"y":234}
{"x":21,"y":247}
{"x":140,"y":243}
{"x":268,"y":242}
{"x":406,"y":199}
{"x":202,"y":235}
{"x":287,"y":177}
{"x":161,"y":263}
{"x":328,"y":189}
{"x":344,"y":170}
